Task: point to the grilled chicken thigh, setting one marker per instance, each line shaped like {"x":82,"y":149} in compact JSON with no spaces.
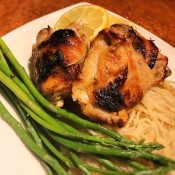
{"x":121,"y":66}
{"x":58,"y":56}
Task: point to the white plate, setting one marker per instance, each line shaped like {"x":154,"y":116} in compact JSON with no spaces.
{"x":15,"y":158}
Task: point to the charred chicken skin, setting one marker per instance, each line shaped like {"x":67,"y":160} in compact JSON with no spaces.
{"x":121,"y":66}
{"x":58,"y":57}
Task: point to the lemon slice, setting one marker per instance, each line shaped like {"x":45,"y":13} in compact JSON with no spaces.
{"x":93,"y":19}
{"x":114,"y":19}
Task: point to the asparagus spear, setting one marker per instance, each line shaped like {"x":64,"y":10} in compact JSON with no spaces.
{"x":36,"y":133}
{"x":17,"y":127}
{"x":5,"y":68}
{"x":27,"y":122}
{"x":55,"y":151}
{"x":87,"y":169}
{"x":102,"y":150}
{"x":12,"y":98}
{"x":108,"y":164}
{"x":80,"y":164}
{"x":158,"y":171}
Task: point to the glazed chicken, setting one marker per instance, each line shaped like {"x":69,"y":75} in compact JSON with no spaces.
{"x":57,"y":58}
{"x":121,"y":66}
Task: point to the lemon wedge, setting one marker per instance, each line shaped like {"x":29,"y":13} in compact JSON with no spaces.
{"x":117,"y":20}
{"x":92,"y":18}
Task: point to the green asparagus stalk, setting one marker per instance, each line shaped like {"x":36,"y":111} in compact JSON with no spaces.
{"x":55,"y":151}
{"x":2,"y":59}
{"x":10,"y":74}
{"x":35,"y":132}
{"x":158,"y":171}
{"x":102,"y":150}
{"x":27,"y":123}
{"x":107,"y":163}
{"x":80,"y":164}
{"x":166,"y":164}
{"x":132,"y":163}
{"x":87,"y":168}
{"x":110,"y":165}
{"x":12,"y":98}
{"x":136,"y":165}
{"x":17,"y":127}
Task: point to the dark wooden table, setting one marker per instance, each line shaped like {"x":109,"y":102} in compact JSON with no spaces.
{"x":157,"y":16}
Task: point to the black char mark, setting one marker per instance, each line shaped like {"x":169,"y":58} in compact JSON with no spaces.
{"x":49,"y":60}
{"x":110,"y":97}
{"x":147,"y":48}
{"x":152,"y":54}
{"x":58,"y":37}
{"x":46,"y":64}
{"x":120,"y":123}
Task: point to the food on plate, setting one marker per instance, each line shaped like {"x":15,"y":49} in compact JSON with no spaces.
{"x":121,"y":77}
{"x":92,"y":18}
{"x":57,"y":59}
{"x":121,"y":66}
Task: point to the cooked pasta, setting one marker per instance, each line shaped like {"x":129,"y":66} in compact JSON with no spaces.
{"x":154,"y":119}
